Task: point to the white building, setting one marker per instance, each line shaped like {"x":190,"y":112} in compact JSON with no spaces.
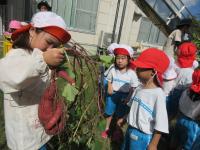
{"x":95,"y":23}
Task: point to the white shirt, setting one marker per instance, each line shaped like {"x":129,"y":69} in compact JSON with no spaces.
{"x":184,"y":78}
{"x":168,"y":86}
{"x":169,"y":46}
{"x":122,"y":81}
{"x":23,"y":78}
{"x":148,"y":110}
{"x":188,"y":107}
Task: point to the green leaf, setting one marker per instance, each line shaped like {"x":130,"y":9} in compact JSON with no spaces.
{"x":106,"y":60}
{"x":69,"y":92}
{"x":68,"y":69}
{"x":70,"y":72}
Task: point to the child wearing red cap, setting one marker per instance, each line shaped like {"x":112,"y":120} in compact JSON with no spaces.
{"x":25,"y":74}
{"x":188,"y":124}
{"x":121,"y":81}
{"x":186,"y":56}
{"x":147,"y":118}
{"x":169,"y":77}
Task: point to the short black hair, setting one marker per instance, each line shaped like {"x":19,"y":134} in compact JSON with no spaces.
{"x":44,"y":3}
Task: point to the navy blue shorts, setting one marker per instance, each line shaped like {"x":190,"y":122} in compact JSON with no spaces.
{"x":187,"y":131}
{"x":173,"y":101}
{"x":136,"y":140}
{"x":115,"y":104}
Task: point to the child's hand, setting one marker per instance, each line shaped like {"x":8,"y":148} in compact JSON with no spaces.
{"x":152,"y":147}
{"x":53,"y":56}
{"x":110,"y":90}
{"x":120,"y":122}
{"x":125,"y":101}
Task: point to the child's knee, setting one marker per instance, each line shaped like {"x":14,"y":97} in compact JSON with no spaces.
{"x":106,"y":115}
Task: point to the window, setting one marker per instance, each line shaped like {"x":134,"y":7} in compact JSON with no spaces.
{"x":150,"y":33}
{"x":79,"y":14}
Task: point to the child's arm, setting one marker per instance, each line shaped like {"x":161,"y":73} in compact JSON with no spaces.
{"x":129,"y":95}
{"x":109,"y":78}
{"x":122,"y":121}
{"x":155,"y":140}
{"x":19,"y":71}
{"x":110,"y":88}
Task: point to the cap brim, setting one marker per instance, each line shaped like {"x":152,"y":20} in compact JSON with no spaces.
{"x":139,"y":64}
{"x":61,"y":34}
{"x":19,"y":31}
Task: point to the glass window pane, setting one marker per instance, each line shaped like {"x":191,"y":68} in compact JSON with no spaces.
{"x":161,"y":38}
{"x":144,"y":30}
{"x":185,"y":13}
{"x":151,"y":2}
{"x":162,"y":9}
{"x":78,"y":14}
{"x":83,"y":20}
{"x":84,"y":15}
{"x":153,"y":34}
{"x":178,"y":4}
{"x":85,"y":4}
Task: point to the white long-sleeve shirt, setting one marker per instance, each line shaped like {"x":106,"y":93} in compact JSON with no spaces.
{"x":23,"y":79}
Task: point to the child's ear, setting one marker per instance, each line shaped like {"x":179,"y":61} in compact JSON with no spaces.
{"x":32,"y":32}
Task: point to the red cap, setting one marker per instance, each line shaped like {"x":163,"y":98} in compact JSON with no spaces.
{"x":195,"y":86}
{"x":155,"y":59}
{"x":186,"y":54}
{"x":121,"y":51}
{"x":57,"y":32}
{"x":48,"y":22}
{"x":17,"y":32}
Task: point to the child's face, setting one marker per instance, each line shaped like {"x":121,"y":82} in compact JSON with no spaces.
{"x":43,"y":8}
{"x":121,"y":61}
{"x":43,"y":40}
{"x":144,"y":74}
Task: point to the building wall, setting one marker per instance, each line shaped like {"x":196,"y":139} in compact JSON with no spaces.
{"x":23,"y":10}
{"x":105,"y":22}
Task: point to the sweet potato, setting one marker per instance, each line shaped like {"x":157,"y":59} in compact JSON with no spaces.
{"x":57,"y":128}
{"x":56,"y":116}
{"x":63,"y":74}
{"x":45,"y":110}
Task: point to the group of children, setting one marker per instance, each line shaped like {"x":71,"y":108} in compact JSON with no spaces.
{"x":147,"y":92}
{"x":151,"y":91}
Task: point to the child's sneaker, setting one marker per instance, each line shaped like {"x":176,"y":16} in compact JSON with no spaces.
{"x":104,"y":134}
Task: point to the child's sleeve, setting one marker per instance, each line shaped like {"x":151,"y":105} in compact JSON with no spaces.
{"x":19,"y":70}
{"x":109,"y":76}
{"x":178,"y":35}
{"x":108,"y":70}
{"x":129,"y":103}
{"x":161,"y":118}
{"x":134,"y":80}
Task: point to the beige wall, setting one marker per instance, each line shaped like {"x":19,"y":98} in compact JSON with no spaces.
{"x":105,"y":22}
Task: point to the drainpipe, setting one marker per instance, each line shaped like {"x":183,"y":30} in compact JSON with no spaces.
{"x":115,"y":22}
{"x":122,"y":21}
